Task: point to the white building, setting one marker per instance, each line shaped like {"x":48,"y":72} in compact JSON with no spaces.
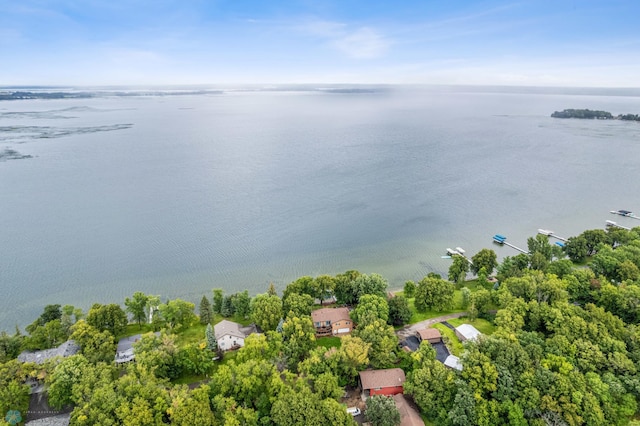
{"x":229,"y":334}
{"x":467,"y":332}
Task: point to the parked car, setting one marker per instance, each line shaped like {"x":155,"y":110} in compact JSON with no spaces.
{"x":354,"y":411}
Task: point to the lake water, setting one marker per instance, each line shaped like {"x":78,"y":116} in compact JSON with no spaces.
{"x":177,"y":195}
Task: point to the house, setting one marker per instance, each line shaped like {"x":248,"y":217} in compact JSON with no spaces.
{"x":453,"y":361}
{"x":431,"y":335}
{"x":230,"y":335}
{"x":467,"y":332}
{"x":382,"y":382}
{"x":66,"y":349}
{"x":124,"y":352}
{"x":331,"y":321}
{"x":409,"y":416}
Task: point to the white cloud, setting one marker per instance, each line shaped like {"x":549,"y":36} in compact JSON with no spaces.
{"x":355,"y":42}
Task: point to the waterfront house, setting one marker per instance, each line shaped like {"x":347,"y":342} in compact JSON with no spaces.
{"x":230,"y":335}
{"x":66,"y":349}
{"x":331,"y":321}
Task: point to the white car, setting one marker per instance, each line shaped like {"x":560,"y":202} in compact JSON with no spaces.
{"x":354,"y":411}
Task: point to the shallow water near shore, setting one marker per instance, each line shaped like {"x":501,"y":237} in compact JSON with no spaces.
{"x":178,"y":195}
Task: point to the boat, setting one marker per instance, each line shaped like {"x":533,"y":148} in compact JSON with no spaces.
{"x":460,"y":250}
{"x":625,"y":213}
{"x":452,"y":252}
{"x":559,"y":244}
{"x":545,"y":232}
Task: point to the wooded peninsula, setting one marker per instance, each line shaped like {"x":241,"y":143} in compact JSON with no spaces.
{"x":551,"y":337}
{"x":591,"y":114}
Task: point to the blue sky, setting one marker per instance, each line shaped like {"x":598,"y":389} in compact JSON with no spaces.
{"x":114,"y":42}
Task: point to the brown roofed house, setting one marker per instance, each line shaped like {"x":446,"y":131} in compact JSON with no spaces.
{"x":382,"y":382}
{"x":431,"y":335}
{"x":331,"y":321}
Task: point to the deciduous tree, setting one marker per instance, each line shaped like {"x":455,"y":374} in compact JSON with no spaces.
{"x":434,"y":293}
{"x":382,"y":411}
{"x":266,"y":311}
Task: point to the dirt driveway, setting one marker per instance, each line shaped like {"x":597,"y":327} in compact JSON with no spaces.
{"x":410,"y":330}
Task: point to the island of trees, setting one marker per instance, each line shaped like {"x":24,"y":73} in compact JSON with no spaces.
{"x":560,"y":345}
{"x":591,"y":114}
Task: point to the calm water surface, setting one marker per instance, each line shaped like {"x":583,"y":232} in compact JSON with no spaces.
{"x":178,"y":195}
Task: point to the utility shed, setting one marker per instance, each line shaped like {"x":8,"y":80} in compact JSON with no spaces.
{"x":431,"y":335}
{"x":467,"y":332}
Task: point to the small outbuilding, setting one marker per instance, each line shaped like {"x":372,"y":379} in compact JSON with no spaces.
{"x":382,"y":382}
{"x":453,"y":362}
{"x":467,"y":332}
{"x":431,"y":335}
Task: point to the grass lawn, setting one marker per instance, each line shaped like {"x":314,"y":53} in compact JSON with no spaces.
{"x":328,"y":342}
{"x":484,"y":326}
{"x":188,"y":379}
{"x":421,"y":316}
{"x":452,"y":341}
{"x":133,"y":329}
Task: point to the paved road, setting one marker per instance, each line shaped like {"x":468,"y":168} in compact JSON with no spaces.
{"x":410,"y":330}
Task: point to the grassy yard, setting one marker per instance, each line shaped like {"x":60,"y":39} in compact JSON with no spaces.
{"x":188,"y":379}
{"x":421,"y":316}
{"x":328,"y":342}
{"x":484,"y":326}
{"x":452,"y":341}
{"x":133,"y":329}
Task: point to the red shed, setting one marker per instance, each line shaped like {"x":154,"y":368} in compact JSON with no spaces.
{"x":382,"y":382}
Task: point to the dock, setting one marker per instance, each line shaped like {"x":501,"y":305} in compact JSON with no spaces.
{"x":612,"y":224}
{"x":551,"y":234}
{"x":625,"y":213}
{"x":501,"y":239}
{"x":459,"y":251}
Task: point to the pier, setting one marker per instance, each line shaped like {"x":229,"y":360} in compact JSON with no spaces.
{"x":551,"y":234}
{"x":611,"y":223}
{"x":501,"y":239}
{"x":459,"y":251}
{"x":625,"y":213}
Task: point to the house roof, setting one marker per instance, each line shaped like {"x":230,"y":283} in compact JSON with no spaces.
{"x":453,"y":361}
{"x":66,"y":349}
{"x":373,"y":379}
{"x":226,"y":327}
{"x":408,"y":415}
{"x":429,"y":333}
{"x":468,"y":331}
{"x":330,"y":314}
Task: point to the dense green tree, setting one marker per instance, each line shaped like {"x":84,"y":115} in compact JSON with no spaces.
{"x":218,"y":297}
{"x":178,"y":313}
{"x":136,"y":306}
{"x":409,"y":289}
{"x":242,"y":304}
{"x":266,"y":311}
{"x":67,"y":373}
{"x":271,"y":291}
{"x":560,"y":267}
{"x":486,"y":258}
{"x":434,"y":293}
{"x":299,"y":336}
{"x":370,"y":284}
{"x":193,"y":358}
{"x":323,"y":286}
{"x":227,"y":309}
{"x":399,"y":311}
{"x":297,"y":305}
{"x":576,"y":249}
{"x":382,"y":411}
{"x":107,"y":317}
{"x":540,"y":244}
{"x":303,"y":285}
{"x":158,"y":354}
{"x":9,"y":346}
{"x":210,"y":337}
{"x":479,"y":303}
{"x":371,"y":307}
{"x":189,"y":408}
{"x":345,"y":288}
{"x":593,"y":238}
{"x":458,"y":269}
{"x":383,"y":341}
{"x":205,"y":311}
{"x":46,"y":336}
{"x":96,"y":346}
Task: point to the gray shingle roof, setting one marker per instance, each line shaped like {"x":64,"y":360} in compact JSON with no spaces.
{"x":66,"y":349}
